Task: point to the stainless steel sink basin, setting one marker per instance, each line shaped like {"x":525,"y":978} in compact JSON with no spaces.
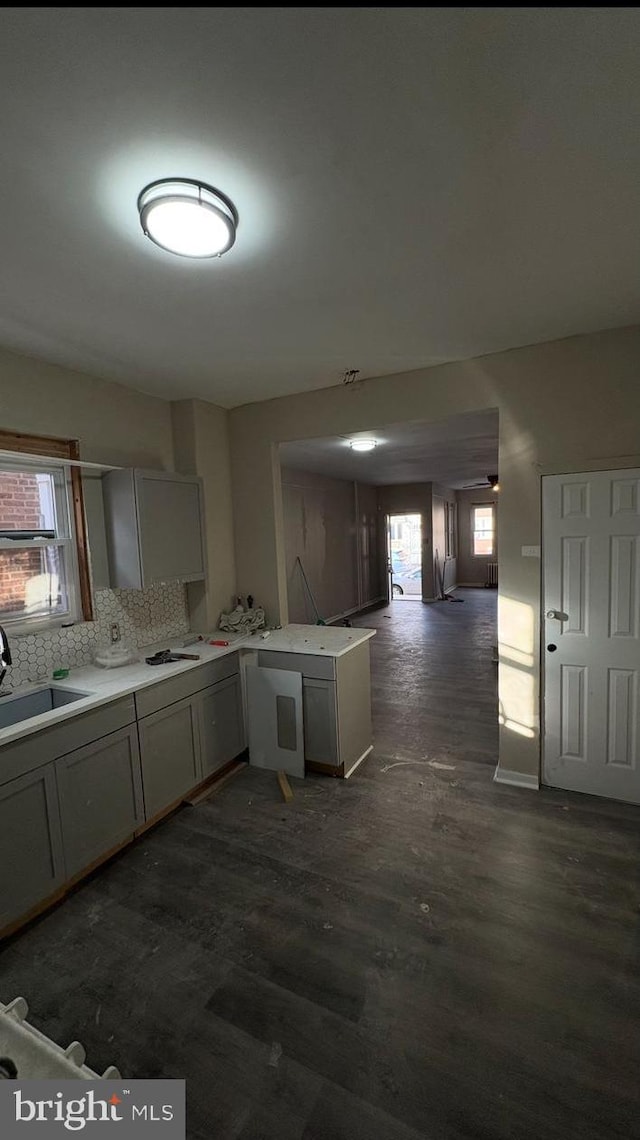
{"x":22,"y":706}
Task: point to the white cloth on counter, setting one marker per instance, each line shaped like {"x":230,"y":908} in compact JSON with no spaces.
{"x":242,"y":621}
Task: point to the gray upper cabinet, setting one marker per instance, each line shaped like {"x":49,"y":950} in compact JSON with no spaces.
{"x":154,"y":526}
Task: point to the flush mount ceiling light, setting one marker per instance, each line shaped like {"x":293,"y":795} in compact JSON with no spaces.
{"x":187,"y":217}
{"x":363,"y":444}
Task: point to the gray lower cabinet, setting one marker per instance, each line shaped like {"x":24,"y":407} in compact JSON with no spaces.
{"x":85,"y":794}
{"x":169,"y":754}
{"x":30,"y":843}
{"x":220,"y":723}
{"x":336,"y":703}
{"x":320,"y":721}
{"x":100,"y":794}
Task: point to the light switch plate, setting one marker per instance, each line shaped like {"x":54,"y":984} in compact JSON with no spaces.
{"x":530,"y":551}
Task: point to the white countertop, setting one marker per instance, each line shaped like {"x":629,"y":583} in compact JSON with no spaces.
{"x":320,"y":640}
{"x":104,"y":685}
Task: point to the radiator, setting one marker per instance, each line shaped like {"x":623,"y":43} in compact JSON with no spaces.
{"x":492,"y":574}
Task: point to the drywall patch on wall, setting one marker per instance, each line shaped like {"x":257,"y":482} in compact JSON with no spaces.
{"x":331,"y":525}
{"x":145,"y":616}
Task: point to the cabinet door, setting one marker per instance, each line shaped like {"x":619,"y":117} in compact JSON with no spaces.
{"x":30,"y":843}
{"x":169,"y":755}
{"x":320,"y":721}
{"x":171,"y":529}
{"x":221,"y":724}
{"x":100,"y":793}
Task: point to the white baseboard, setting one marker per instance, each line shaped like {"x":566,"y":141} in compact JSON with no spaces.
{"x":358,"y":762}
{"x":516,"y":779}
{"x":355,"y":610}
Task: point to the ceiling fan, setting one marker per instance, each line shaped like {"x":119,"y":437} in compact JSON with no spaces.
{"x":491,"y":481}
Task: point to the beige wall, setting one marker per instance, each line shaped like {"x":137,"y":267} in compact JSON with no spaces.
{"x":372,"y":584}
{"x":472,"y":570}
{"x":330,"y":524}
{"x":440,"y":496}
{"x":112,"y":423}
{"x":201,"y":439}
{"x":564,"y":405}
{"x":116,"y":425}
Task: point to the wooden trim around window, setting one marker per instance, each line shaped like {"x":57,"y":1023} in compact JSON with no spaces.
{"x":61,"y":449}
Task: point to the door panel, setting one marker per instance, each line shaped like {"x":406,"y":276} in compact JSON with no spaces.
{"x":169,"y":754}
{"x":592,"y":632}
{"x":221,"y":724}
{"x":100,"y":793}
{"x":320,"y":721}
{"x":30,"y":843}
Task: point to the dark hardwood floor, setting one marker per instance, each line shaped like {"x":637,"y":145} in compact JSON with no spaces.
{"x":414,"y":953}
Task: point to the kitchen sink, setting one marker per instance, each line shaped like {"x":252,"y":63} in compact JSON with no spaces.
{"x":17,"y":707}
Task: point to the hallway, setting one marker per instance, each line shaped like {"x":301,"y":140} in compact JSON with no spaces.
{"x":434,"y":682}
{"x":414,"y":954}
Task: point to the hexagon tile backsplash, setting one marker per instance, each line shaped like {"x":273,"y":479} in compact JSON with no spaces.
{"x":144,"y":617}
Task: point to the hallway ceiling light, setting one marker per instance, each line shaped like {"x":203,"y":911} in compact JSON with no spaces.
{"x":363,"y":444}
{"x":187,"y":217}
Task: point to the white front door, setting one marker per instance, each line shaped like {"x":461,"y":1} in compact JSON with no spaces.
{"x":591,"y":615}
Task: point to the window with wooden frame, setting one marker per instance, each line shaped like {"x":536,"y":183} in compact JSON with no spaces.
{"x":483,"y":530}
{"x":44,"y":563}
{"x":450,"y":532}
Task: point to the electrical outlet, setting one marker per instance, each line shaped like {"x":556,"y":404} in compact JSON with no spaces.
{"x":115,"y":632}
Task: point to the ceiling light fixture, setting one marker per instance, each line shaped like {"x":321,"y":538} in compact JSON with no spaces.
{"x":363,"y":444}
{"x":187,"y":217}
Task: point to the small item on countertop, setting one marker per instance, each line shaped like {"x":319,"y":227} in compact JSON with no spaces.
{"x":60,"y":674}
{"x":166,"y":656}
{"x":193,"y":640}
{"x":218,"y":643}
{"x":249,"y":601}
{"x":240,"y":622}
{"x":267,"y":633}
{"x":162,"y":657}
{"x":113,"y":656}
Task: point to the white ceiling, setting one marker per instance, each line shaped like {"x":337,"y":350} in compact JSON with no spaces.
{"x":414,"y":185}
{"x":455,"y":452}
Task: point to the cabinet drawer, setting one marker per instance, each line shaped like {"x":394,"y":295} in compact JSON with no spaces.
{"x":177,"y":688}
{"x":324,"y":668}
{"x":40,"y":747}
